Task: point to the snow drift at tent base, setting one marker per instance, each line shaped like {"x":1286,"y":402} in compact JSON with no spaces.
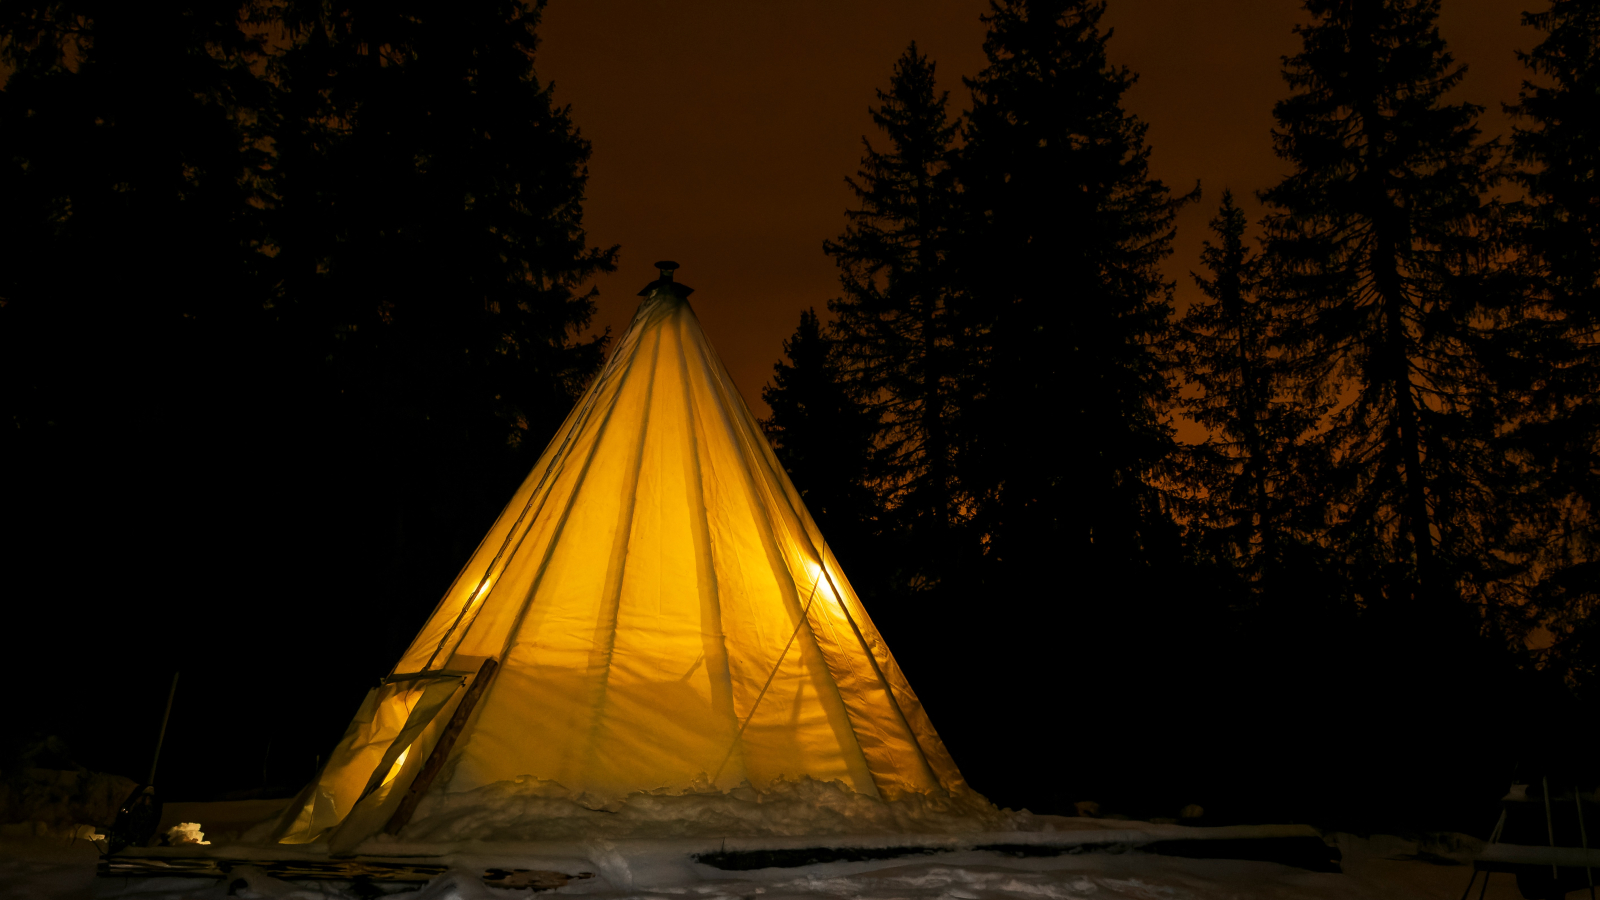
{"x":528,"y":809}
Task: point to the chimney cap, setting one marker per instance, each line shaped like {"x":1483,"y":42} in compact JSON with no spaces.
{"x":667,"y":267}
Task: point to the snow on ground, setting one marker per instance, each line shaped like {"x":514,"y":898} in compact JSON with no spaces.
{"x":46,"y":867}
{"x":643,"y":848}
{"x":529,"y":809}
{"x":1379,"y":868}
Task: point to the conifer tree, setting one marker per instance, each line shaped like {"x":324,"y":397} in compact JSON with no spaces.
{"x":431,"y":258}
{"x":127,"y":238}
{"x":429,"y":214}
{"x":1064,"y":444}
{"x":1558,"y":146}
{"x":1252,"y":471}
{"x":827,"y":441}
{"x":290,"y":287}
{"x":139,"y":387}
{"x":1377,"y":244}
{"x":1557,"y":149}
{"x":895,"y":328}
{"x":131,"y":290}
{"x":1063,"y":231}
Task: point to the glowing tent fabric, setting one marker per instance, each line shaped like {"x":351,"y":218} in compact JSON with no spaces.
{"x":663,"y":612}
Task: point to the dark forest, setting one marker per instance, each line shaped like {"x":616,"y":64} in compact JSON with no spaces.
{"x":293,"y":294}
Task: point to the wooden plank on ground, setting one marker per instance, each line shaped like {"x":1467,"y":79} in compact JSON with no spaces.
{"x":323,"y":870}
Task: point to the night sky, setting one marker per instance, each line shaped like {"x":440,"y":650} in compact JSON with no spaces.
{"x":723,"y":130}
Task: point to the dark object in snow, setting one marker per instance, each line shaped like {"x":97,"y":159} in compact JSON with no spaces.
{"x":137,"y":819}
{"x":536,"y":879}
{"x":1026,"y":851}
{"x":1302,"y":852}
{"x":349,"y":870}
{"x":746,"y":860}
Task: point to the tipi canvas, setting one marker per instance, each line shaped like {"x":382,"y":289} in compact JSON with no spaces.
{"x":653,"y":611}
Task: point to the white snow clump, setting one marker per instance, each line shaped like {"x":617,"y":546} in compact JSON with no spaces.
{"x":186,"y":833}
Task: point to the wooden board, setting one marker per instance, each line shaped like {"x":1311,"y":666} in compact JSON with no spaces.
{"x":322,"y":870}
{"x":441,"y":749}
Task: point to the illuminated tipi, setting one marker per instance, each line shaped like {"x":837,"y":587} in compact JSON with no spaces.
{"x":654,"y":609}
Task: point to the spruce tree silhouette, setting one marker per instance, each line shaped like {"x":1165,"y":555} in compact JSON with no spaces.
{"x":1557,"y":412}
{"x":1065,"y":268}
{"x":1383,"y":280}
{"x":1378,"y":248}
{"x":1065,"y":442}
{"x":827,"y":441}
{"x":1255,"y":532}
{"x":430,"y":212}
{"x":428,"y":219}
{"x":1254,"y":472}
{"x":132,"y":383}
{"x":128,"y":228}
{"x":281,"y":325}
{"x":897,"y":330}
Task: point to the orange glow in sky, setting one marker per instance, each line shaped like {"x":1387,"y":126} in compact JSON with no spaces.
{"x":723,"y":130}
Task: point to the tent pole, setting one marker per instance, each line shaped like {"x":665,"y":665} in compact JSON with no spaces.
{"x":161,"y":736}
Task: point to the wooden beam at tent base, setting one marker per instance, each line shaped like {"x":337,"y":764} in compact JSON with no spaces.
{"x":441,"y":750}
{"x":323,"y":870}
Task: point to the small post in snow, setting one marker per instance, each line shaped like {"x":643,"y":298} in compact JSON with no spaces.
{"x":162,"y":735}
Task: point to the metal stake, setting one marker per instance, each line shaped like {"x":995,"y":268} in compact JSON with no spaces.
{"x":1549,"y":824}
{"x":161,"y":738}
{"x":1583,"y":834}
